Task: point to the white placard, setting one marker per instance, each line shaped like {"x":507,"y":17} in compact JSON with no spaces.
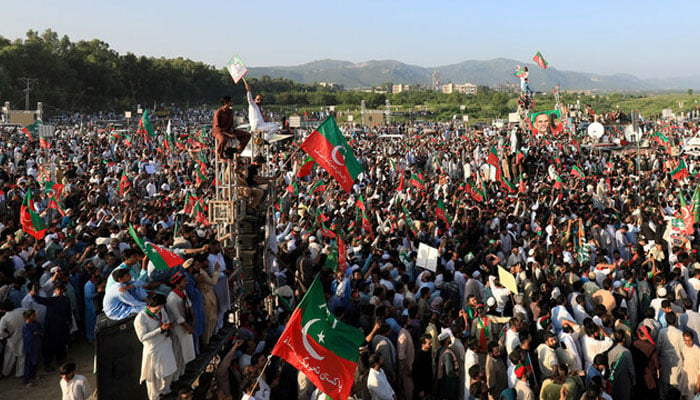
{"x":427,"y":257}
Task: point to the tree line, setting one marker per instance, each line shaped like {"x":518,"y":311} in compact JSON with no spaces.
{"x":88,"y":76}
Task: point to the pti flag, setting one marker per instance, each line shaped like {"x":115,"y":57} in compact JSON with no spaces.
{"x":321,"y":347}
{"x":539,"y":60}
{"x":331,"y":151}
{"x":145,"y":126}
{"x":236,"y":68}
{"x":161,"y":258}
{"x":31,"y":222}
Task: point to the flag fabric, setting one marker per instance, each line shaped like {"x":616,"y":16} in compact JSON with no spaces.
{"x":519,"y":72}
{"x":145,"y":126}
{"x":539,"y":60}
{"x":53,"y":189}
{"x":681,"y":171}
{"x":416,"y":181}
{"x":400,"y":189}
{"x":557,"y":182}
{"x":441,"y":213}
{"x":342,"y":253}
{"x":44,"y":143}
{"x":31,"y":222}
{"x":293,"y":188}
{"x":660,"y":139}
{"x":521,"y":184}
{"x":695,"y":204}
{"x":189,"y":203}
{"x":306,"y":167}
{"x":236,"y":68}
{"x":161,"y":258}
{"x":124,"y":183}
{"x":469,"y":187}
{"x":320,"y":185}
{"x":576,"y":171}
{"x":320,"y":346}
{"x":26,"y":132}
{"x":331,"y":151}
{"x":33,"y":129}
{"x":519,"y":157}
{"x":200,"y":214}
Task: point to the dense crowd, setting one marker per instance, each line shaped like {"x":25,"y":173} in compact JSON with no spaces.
{"x":606,"y":281}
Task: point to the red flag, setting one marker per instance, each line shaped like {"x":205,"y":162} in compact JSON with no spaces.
{"x":321,"y":347}
{"x":44,"y":143}
{"x":124,"y":183}
{"x":331,"y":151}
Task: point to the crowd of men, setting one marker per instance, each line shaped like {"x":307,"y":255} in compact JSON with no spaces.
{"x":606,"y":303}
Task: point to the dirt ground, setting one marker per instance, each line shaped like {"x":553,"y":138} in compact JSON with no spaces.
{"x":46,"y":385}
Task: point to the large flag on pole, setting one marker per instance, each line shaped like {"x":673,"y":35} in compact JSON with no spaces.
{"x":236,"y":68}
{"x":331,"y":151}
{"x":145,"y":126}
{"x":31,"y":222}
{"x":321,"y":347}
{"x":540,"y":60}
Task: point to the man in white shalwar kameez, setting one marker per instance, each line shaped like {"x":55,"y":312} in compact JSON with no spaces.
{"x":158,"y":365}
{"x":691,"y":366}
{"x":255,"y":116}
{"x":670,"y":347}
{"x":177,"y":306}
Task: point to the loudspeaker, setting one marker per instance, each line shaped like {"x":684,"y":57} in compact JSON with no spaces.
{"x":118,"y":361}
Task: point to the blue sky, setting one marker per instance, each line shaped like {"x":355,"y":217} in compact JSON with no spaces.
{"x":644,"y":38}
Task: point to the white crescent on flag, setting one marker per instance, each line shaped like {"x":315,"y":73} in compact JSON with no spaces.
{"x":305,"y":339}
{"x":334,"y":154}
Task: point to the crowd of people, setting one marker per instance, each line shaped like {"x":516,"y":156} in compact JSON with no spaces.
{"x":603,"y":302}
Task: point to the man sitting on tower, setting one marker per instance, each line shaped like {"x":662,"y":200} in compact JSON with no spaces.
{"x":224,"y":133}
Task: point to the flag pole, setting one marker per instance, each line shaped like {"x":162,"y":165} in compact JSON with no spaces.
{"x":255,"y":385}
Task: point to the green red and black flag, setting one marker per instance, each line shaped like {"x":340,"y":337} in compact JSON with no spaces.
{"x":327,"y":146}
{"x":31,"y":222}
{"x":323,"y":348}
{"x":576,"y":171}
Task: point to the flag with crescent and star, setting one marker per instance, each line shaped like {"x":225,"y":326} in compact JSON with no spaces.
{"x":320,"y":346}
{"x":327,"y":146}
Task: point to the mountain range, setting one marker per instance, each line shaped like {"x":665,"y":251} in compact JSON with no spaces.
{"x":488,"y":73}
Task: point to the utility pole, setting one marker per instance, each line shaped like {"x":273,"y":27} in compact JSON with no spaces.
{"x":29,"y":82}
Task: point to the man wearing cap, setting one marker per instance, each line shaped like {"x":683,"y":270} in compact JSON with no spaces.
{"x":448,"y":367}
{"x":646,"y":364}
{"x":179,"y":309}
{"x":522,"y":388}
{"x":158,"y":365}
